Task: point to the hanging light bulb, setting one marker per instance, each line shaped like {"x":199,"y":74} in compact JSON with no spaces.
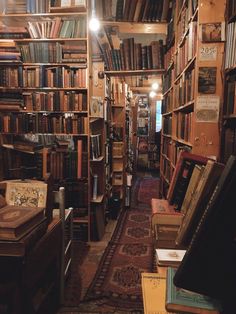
{"x":94,"y":23}
{"x":155,"y":86}
{"x":152,"y":94}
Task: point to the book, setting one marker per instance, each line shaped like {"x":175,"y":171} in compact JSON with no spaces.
{"x":184,"y":301}
{"x":30,"y":193}
{"x":153,"y":290}
{"x":23,"y":245}
{"x":196,"y":175}
{"x":16,"y":221}
{"x":208,"y":266}
{"x":164,"y":213}
{"x":198,"y":201}
{"x":178,"y":172}
{"x":169,"y":257}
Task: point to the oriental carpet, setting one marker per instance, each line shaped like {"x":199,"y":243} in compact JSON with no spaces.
{"x":116,"y":286}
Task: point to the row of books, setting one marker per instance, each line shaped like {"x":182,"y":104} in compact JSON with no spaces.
{"x":167,"y":102}
{"x":168,"y":79}
{"x":48,"y":52}
{"x":184,"y":126}
{"x":40,"y":123}
{"x":54,"y":101}
{"x":37,"y":6}
{"x":230,"y":91}
{"x":128,"y":55}
{"x":58,"y":28}
{"x":167,"y":125}
{"x":133,"y":10}
{"x":184,"y":89}
{"x":68,"y":165}
{"x":229,"y":142}
{"x":187,"y":50}
{"x":230,"y":55}
{"x":43,"y":76}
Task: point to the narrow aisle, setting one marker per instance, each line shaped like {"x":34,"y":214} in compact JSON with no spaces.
{"x":123,"y":255}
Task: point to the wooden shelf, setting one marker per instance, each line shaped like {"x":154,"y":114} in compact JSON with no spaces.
{"x":76,"y":9}
{"x":134,"y":72}
{"x":26,"y":40}
{"x":189,"y":64}
{"x":187,"y":107}
{"x":138,"y":28}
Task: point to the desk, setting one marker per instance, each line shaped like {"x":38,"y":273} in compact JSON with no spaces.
{"x":30,"y":283}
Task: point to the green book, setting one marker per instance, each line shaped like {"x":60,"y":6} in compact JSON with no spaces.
{"x":186,"y":301}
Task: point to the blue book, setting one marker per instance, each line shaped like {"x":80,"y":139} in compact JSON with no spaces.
{"x":181,"y":300}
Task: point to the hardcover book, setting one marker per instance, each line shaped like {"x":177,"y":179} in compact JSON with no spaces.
{"x":30,"y":193}
{"x":16,"y":221}
{"x":184,"y":301}
{"x":169,"y":257}
{"x":208,"y":266}
{"x":153,"y":289}
{"x":23,"y":245}
{"x":198,"y":201}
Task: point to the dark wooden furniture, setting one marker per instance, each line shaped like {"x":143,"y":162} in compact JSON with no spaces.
{"x":31,"y":283}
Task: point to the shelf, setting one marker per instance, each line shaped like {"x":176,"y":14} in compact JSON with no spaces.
{"x":134,"y":72}
{"x":189,"y":64}
{"x":94,"y":119}
{"x":167,"y":114}
{"x":182,"y":141}
{"x":43,"y":88}
{"x":76,"y":9}
{"x":168,"y":90}
{"x":187,"y":107}
{"x":26,"y":40}
{"x":79,"y":220}
{"x":138,"y":28}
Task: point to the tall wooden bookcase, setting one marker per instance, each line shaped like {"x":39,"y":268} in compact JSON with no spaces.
{"x":44,"y":96}
{"x":229,"y":109}
{"x":192,"y":87}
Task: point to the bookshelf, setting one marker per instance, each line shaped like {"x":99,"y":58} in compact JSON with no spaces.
{"x":192,"y":84}
{"x":44,"y":97}
{"x":229,"y":109}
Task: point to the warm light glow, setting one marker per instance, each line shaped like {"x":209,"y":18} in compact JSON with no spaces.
{"x":152,"y":94}
{"x":155,"y":86}
{"x":94,"y":24}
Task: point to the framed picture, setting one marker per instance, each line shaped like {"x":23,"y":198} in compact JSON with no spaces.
{"x":96,"y":107}
{"x":212,"y":32}
{"x":207,"y":80}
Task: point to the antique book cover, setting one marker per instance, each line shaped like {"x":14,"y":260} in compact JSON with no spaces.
{"x":169,"y":257}
{"x":163,"y":213}
{"x":198,"y":201}
{"x":29,"y":193}
{"x":196,"y":175}
{"x":16,"y":221}
{"x":20,"y":247}
{"x":185,"y":301}
{"x":208,"y":266}
{"x":154,"y":289}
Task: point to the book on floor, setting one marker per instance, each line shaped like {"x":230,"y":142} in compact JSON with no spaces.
{"x":169,"y":257}
{"x":184,"y":301}
{"x":153,"y":290}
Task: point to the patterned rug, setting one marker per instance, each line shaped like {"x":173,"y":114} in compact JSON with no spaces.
{"x":116,"y":287}
{"x":108,"y":280}
{"x":148,"y":189}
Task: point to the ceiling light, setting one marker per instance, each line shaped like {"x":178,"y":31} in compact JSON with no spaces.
{"x":152,"y":94}
{"x":94,"y":24}
{"x":155,"y":86}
